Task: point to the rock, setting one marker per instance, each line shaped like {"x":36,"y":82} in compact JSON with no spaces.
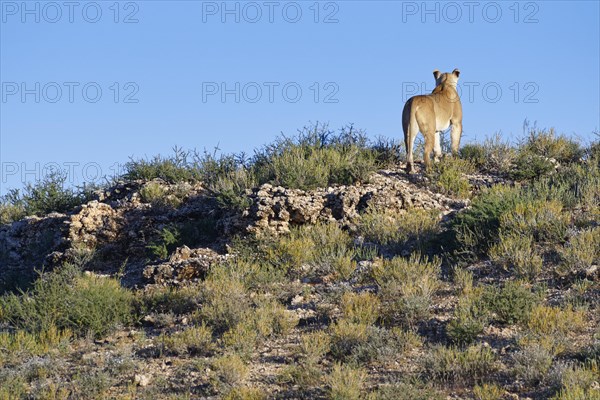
{"x":141,"y":380}
{"x":591,"y":271}
{"x":185,"y":264}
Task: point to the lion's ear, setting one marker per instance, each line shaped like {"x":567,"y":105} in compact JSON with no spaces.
{"x":456,"y":72}
{"x":436,"y":74}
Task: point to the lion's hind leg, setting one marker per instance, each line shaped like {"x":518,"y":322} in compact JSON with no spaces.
{"x":412,"y":132}
{"x":437,"y":147}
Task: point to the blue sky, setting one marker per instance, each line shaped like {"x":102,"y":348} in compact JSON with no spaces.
{"x":86,"y":85}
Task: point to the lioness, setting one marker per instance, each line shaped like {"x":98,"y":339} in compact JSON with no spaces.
{"x":432,"y":114}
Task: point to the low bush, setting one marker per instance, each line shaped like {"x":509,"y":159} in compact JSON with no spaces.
{"x":360,"y":308}
{"x":406,"y":286}
{"x":548,"y":144}
{"x":541,"y":152}
{"x":543,"y":220}
{"x":316,"y":157}
{"x":225,"y":301}
{"x":495,"y":155}
{"x":511,"y":303}
{"x":449,"y":364}
{"x":398,"y":228}
{"x":69,"y":299}
{"x":532,"y":363}
{"x":488,"y":392}
{"x":21,"y":344}
{"x":551,"y":327}
{"x":447,"y":176}
{"x":51,"y":194}
{"x":346,"y":382}
{"x":307,"y":372}
{"x":195,"y":340}
{"x":346,"y":337}
{"x":314,"y":250}
{"x":227,"y":372}
{"x":463,"y":278}
{"x":517,"y":253}
{"x":245,"y":393}
{"x":411,"y":390}
{"x":190,"y":233}
{"x":469,"y":320}
{"x":182,"y":166}
{"x":580,"y":252}
{"x":476,"y":228}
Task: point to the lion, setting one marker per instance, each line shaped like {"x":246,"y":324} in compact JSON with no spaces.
{"x":430,"y":114}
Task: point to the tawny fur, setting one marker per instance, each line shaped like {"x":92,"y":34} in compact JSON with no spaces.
{"x":431,"y":114}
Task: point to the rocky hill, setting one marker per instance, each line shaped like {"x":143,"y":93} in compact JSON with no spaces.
{"x":118,"y":225}
{"x":477,"y":279}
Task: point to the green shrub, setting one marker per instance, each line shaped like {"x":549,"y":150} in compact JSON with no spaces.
{"x":245,"y":393}
{"x":242,"y":339}
{"x":230,"y":189}
{"x":543,"y":220}
{"x":180,"y":167}
{"x":406,"y":286}
{"x":550,"y":328}
{"x":190,"y":233}
{"x":324,"y":248}
{"x":581,"y":251}
{"x":572,"y":376}
{"x":545,"y":320}
{"x":463,"y":278}
{"x":529,"y":166}
{"x":510,"y":304}
{"x":307,"y":372}
{"x":227,"y":372}
{"x":575,"y":186}
{"x":170,"y":238}
{"x":71,"y":300}
{"x":494,"y":155}
{"x":46,"y":196}
{"x":477,"y":227}
{"x":168,"y":300}
{"x":360,"y":308}
{"x":488,"y":392}
{"x":577,"y":393}
{"x":475,"y":153}
{"x":518,"y":253}
{"x":548,"y":144}
{"x":540,"y":152}
{"x":160,"y":195}
{"x":532,"y":363}
{"x":13,"y":386}
{"x":20,"y":344}
{"x":384,"y":346}
{"x":346,"y":382}
{"x":193,"y":340}
{"x":398,"y":228}
{"x":316,"y":157}
{"x":448,"y":364}
{"x":225,"y":300}
{"x":470,"y":318}
{"x":271,"y":319}
{"x":10,"y":212}
{"x":346,"y":336}
{"x":407,"y":391}
{"x":388,"y":152}
{"x":448,"y":176}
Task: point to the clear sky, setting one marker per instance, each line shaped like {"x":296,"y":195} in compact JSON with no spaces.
{"x":86,"y":85}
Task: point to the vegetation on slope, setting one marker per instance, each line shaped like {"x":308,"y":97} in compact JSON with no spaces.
{"x":508,"y":304}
